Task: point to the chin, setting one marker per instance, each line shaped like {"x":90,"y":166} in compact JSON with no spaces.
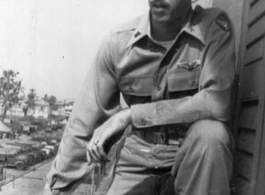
{"x":161,"y":19}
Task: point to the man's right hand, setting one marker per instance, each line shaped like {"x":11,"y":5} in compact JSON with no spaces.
{"x":113,"y":126}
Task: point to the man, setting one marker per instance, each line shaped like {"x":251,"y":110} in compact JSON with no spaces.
{"x":175,"y":70}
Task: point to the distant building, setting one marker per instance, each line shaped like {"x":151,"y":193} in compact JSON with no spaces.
{"x":68,"y":110}
{"x":41,"y":109}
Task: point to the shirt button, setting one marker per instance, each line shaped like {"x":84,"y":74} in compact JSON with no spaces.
{"x":193,"y":83}
{"x":158,"y":88}
{"x":143,"y":122}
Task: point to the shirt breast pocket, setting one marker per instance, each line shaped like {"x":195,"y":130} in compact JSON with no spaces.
{"x":136,"y":86}
{"x":136,"y":90}
{"x":183,"y":82}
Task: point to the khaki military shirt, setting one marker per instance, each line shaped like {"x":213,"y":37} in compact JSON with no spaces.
{"x":191,"y":80}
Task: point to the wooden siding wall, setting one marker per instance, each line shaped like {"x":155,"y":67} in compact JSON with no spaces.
{"x":249,"y":160}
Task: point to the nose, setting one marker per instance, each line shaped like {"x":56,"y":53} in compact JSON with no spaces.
{"x":157,"y":1}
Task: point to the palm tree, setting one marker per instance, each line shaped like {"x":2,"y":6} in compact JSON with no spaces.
{"x":9,"y":90}
{"x":52,"y":104}
{"x":32,"y":97}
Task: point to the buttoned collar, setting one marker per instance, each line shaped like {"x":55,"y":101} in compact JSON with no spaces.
{"x":143,"y":29}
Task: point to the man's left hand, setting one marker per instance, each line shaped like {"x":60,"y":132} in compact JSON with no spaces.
{"x":114,"y":125}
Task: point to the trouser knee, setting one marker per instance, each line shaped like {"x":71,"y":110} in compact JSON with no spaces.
{"x":211,"y":133}
{"x":203,"y":165}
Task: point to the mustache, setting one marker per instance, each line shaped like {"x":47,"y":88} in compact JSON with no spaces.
{"x":158,"y":3}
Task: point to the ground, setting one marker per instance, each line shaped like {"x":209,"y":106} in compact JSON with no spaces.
{"x":32,"y":181}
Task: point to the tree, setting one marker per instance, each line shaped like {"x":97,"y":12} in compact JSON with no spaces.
{"x":9,"y":90}
{"x":32,"y":97}
{"x":51,"y":100}
{"x":52,"y":104}
{"x":45,"y":98}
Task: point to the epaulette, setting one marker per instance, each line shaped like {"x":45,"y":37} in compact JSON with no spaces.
{"x":128,"y":26}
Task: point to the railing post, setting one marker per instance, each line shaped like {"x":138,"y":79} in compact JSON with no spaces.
{"x":92,"y":182}
{"x":13,"y":181}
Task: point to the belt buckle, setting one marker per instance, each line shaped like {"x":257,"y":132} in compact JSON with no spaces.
{"x":160,"y":137}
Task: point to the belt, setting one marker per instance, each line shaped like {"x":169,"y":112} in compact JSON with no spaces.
{"x":167,"y":134}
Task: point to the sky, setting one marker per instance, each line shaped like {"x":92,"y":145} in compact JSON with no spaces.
{"x":53,"y":43}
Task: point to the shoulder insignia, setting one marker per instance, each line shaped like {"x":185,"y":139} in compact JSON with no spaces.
{"x":223,"y":22}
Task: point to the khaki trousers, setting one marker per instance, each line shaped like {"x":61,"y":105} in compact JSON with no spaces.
{"x":201,"y":166}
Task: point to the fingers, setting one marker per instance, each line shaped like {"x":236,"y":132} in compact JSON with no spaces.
{"x":100,"y":152}
{"x":92,"y":156}
{"x":113,"y":126}
{"x":92,"y":153}
{"x":96,"y":151}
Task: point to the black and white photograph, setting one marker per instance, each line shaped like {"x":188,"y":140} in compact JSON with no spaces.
{"x":132,"y":97}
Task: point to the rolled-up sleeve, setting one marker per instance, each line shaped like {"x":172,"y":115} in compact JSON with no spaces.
{"x":213,"y":101}
{"x":98,"y":100}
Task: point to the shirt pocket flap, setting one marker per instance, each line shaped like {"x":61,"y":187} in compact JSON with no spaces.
{"x":136,"y":86}
{"x":183,"y":80}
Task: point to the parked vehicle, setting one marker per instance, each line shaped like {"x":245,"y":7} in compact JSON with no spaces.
{"x":42,"y":153}
{"x":28,"y":149}
{"x":48,"y":129}
{"x":13,"y":159}
{"x":51,"y":148}
{"x":48,"y":152}
{"x":21,"y":151}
